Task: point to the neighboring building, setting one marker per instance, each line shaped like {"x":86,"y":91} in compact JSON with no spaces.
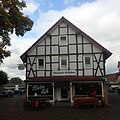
{"x":112,"y":78}
{"x":118,"y":66}
{"x":13,"y":87}
{"x":64,"y":64}
{"x":118,"y":76}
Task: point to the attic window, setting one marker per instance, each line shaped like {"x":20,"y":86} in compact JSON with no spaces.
{"x":63,"y":40}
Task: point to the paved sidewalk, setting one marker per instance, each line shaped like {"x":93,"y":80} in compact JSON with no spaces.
{"x":11,"y":109}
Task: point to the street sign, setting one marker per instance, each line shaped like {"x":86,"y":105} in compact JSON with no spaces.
{"x":21,"y":66}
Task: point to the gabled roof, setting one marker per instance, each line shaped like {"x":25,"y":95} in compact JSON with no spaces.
{"x":78,"y":31}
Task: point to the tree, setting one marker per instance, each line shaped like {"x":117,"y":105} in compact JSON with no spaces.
{"x":3,"y":78}
{"x":12,"y":20}
{"x":15,"y":81}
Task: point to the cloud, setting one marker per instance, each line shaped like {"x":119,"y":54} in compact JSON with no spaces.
{"x":99,"y":19}
{"x":31,"y":7}
{"x":19,"y":46}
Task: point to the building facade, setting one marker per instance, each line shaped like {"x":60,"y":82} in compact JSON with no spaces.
{"x":63,"y":64}
{"x":118,"y":75}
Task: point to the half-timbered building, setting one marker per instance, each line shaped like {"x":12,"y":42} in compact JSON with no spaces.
{"x":64,"y":64}
{"x":118,"y":75}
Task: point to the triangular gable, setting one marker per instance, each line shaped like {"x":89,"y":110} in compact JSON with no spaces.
{"x":64,"y":20}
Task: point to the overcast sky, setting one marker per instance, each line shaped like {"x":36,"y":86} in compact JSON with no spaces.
{"x":100,"y":19}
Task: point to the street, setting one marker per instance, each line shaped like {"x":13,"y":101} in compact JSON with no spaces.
{"x":11,"y":109}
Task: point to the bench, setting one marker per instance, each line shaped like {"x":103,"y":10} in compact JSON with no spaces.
{"x":85,"y":101}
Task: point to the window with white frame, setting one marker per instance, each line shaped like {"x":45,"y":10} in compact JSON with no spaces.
{"x":88,"y":61}
{"x":63,"y":62}
{"x":40,"y":63}
{"x":63,"y":40}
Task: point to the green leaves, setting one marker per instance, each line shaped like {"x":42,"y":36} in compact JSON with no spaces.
{"x":3,"y":78}
{"x":12,"y":20}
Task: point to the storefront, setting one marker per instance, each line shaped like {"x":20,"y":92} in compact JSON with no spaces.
{"x":66,"y":89}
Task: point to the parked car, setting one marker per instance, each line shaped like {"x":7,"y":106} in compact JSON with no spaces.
{"x":114,"y":86}
{"x":7,"y":93}
{"x":19,"y":92}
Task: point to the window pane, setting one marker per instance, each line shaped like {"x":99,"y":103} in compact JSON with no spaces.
{"x":63,"y":40}
{"x":63,"y":62}
{"x":87,"y":60}
{"x":85,"y":88}
{"x":41,"y":62}
{"x":40,"y":89}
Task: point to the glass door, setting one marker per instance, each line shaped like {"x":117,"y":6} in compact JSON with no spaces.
{"x":64,"y":93}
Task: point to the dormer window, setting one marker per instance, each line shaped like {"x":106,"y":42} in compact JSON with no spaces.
{"x":63,"y":40}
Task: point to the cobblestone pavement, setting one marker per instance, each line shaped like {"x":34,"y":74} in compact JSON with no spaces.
{"x":11,"y":109}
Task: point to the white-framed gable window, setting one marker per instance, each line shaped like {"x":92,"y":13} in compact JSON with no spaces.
{"x":64,"y":62}
{"x":40,"y":63}
{"x":88,"y":61}
{"x":63,"y":40}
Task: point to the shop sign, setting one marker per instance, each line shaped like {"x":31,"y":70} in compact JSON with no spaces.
{"x":64,"y":73}
{"x":40,"y":89}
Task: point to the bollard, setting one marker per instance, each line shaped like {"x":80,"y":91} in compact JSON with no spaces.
{"x":37,"y":104}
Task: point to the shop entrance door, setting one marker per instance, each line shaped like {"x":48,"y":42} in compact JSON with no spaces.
{"x":61,"y":91}
{"x":64,"y":93}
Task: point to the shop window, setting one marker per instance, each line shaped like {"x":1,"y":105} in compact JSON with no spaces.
{"x":85,"y":89}
{"x":40,"y":89}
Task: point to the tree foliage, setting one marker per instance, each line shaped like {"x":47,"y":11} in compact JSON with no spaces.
{"x":3,"y":78}
{"x":12,"y":20}
{"x":15,"y":81}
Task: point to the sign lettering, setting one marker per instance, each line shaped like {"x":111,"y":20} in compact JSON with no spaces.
{"x":64,"y":73}
{"x":42,"y":88}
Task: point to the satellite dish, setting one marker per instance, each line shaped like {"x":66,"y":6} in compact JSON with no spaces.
{"x":21,"y":66}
